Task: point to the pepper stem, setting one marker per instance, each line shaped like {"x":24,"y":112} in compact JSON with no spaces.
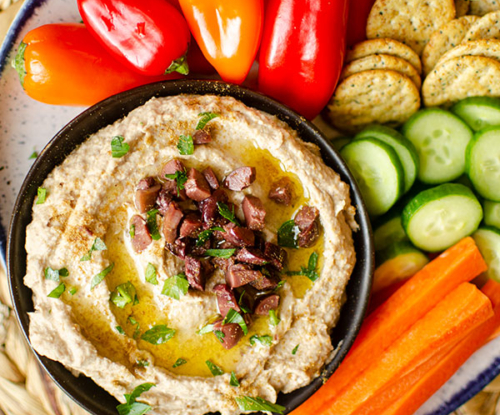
{"x":179,"y":65}
{"x":18,"y":62}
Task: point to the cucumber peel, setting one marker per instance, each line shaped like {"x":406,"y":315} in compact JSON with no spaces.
{"x":478,"y":112}
{"x":488,"y":242}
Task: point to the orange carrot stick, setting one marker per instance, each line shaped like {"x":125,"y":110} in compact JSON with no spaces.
{"x":413,"y":300}
{"x":461,"y":311}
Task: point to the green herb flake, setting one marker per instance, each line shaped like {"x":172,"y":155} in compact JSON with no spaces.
{"x":152,"y":224}
{"x":58,"y":291}
{"x":248,"y":403}
{"x":142,"y":363}
{"x":51,"y":274}
{"x":179,"y":362}
{"x":220,"y":253}
{"x":180,"y":178}
{"x":216,"y":370}
{"x":294,"y":351}
{"x":265,"y":340}
{"x":118,"y":147}
{"x":123,"y":294}
{"x":131,"y":407}
{"x":226,"y":213}
{"x":159,"y":334}
{"x":151,"y":274}
{"x":309,"y":272}
{"x":132,"y":231}
{"x":204,"y":235}
{"x":287,"y":234}
{"x":42,"y":195}
{"x":185,"y":145}
{"x":175,"y":287}
{"x":98,"y":278}
{"x":33,"y":155}
{"x":234,"y":317}
{"x":206,"y":329}
{"x":97,"y":245}
{"x":280,"y":284}
{"x":273,"y":318}
{"x":234,"y":380}
{"x":120,"y":330}
{"x":73,"y":290}
{"x":220,"y":335}
{"x":205,"y":118}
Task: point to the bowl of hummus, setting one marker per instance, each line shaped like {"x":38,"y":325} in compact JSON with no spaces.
{"x":189,"y":247}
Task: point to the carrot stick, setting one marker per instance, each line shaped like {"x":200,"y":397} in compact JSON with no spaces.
{"x":464,"y":309}
{"x":413,"y":300}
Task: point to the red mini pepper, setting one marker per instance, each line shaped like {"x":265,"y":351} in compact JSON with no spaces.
{"x":359,"y":11}
{"x":302,"y":52}
{"x":228,"y":33}
{"x":148,"y":36}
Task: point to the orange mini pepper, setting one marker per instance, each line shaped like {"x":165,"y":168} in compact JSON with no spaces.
{"x":228,"y":33}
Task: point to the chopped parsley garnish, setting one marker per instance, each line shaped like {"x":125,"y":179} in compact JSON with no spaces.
{"x":42,"y":195}
{"x":273,"y":318}
{"x":216,"y":370}
{"x":98,"y":278}
{"x":287,"y":234}
{"x":179,"y":362}
{"x":180,"y":178}
{"x":266,"y":340}
{"x":309,"y":272}
{"x":142,"y":363}
{"x":206,"y":329}
{"x":175,"y":287}
{"x":132,"y":231}
{"x":294,"y":351}
{"x":118,"y":147}
{"x":34,"y":155}
{"x":159,"y":334}
{"x":248,"y":403}
{"x":63,"y":272}
{"x":234,"y":380}
{"x":131,"y":407}
{"x":234,"y":317}
{"x":135,"y":323}
{"x":220,"y":253}
{"x":205,"y":118}
{"x":226,"y":213}
{"x":185,"y":145}
{"x":152,"y":224}
{"x":73,"y":290}
{"x":220,"y":335}
{"x":151,"y":274}
{"x":280,"y":284}
{"x":57,"y":292}
{"x":97,"y":245}
{"x":204,"y":235}
{"x":120,"y":330}
{"x":124,"y":294}
{"x":242,"y":306}
{"x":54,"y":274}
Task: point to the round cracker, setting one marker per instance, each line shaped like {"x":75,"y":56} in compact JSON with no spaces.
{"x":462,"y":7}
{"x":444,"y":39}
{"x":379,"y":96}
{"x":488,"y":48}
{"x":487,"y":27}
{"x":482,"y":7}
{"x":386,"y":47}
{"x":461,"y":77}
{"x":411,"y":21}
{"x":372,"y":62}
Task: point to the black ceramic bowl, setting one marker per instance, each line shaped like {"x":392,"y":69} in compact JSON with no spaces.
{"x":82,"y":389}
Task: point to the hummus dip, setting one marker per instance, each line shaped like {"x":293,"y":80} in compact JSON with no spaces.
{"x":80,"y":250}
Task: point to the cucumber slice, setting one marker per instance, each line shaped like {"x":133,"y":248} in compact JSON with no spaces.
{"x":483,"y":163}
{"x":478,"y":112}
{"x":440,"y":139}
{"x":338,"y":143}
{"x":378,"y":172}
{"x":488,"y":242}
{"x":400,"y":144}
{"x":491,"y":213}
{"x":388,"y":233}
{"x":399,"y":262}
{"x":438,"y":218}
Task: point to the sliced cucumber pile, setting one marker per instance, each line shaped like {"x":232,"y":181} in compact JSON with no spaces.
{"x":488,"y":242}
{"x":491,"y":213}
{"x":440,"y":139}
{"x":388,"y":232}
{"x":378,"y":172}
{"x":403,"y":147}
{"x":438,"y":218}
{"x":478,"y":112}
{"x":483,"y":163}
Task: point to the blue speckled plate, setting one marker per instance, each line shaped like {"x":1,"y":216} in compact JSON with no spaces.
{"x":26,"y":125}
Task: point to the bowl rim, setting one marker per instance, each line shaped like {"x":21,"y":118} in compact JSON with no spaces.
{"x":96,"y":400}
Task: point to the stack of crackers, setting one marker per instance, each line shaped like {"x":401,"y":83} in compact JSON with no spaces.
{"x":455,"y":45}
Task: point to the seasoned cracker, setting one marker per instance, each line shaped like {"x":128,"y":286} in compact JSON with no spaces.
{"x":488,"y":48}
{"x":372,"y":62}
{"x":381,"y":96}
{"x":487,"y":27}
{"x":482,"y":7}
{"x":386,"y":47}
{"x":444,"y":39}
{"x":461,"y":77}
{"x":462,"y":7}
{"x":409,"y":21}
